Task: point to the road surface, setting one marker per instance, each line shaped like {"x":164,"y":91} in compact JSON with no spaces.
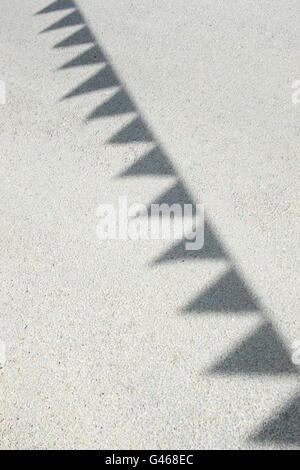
{"x":118,"y":344}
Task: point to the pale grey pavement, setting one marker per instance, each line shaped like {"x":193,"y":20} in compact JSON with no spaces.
{"x":124,"y":344}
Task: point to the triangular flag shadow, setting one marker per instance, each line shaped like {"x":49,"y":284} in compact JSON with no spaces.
{"x":263,"y":352}
{"x":58,"y":5}
{"x":106,"y":78}
{"x":212,"y":249}
{"x":73,"y":19}
{"x":283,"y":428}
{"x":177,"y":194}
{"x":154,"y":163}
{"x":92,"y":56}
{"x":83,"y":36}
{"x":135,"y":131}
{"x":227,"y":294}
{"x":120,"y":103}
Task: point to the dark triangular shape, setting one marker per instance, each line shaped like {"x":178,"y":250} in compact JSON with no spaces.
{"x":177,"y":194}
{"x":58,"y":5}
{"x":227,"y":294}
{"x":102,"y":80}
{"x":73,"y":19}
{"x":120,"y":103}
{"x":135,"y":131}
{"x":92,"y":56}
{"x":83,"y":36}
{"x":263,"y":352}
{"x":154,"y":163}
{"x":284,"y":427}
{"x":212,"y":249}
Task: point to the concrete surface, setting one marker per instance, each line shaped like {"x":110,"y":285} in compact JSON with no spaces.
{"x":126,"y":345}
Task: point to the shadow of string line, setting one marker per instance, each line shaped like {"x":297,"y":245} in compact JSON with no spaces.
{"x":263,"y":351}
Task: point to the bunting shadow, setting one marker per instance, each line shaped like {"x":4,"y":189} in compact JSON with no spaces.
{"x":178,"y":194}
{"x":135,"y":131}
{"x":154,"y":163}
{"x":104,"y":79}
{"x":58,"y":5}
{"x":212,"y":249}
{"x":261,"y":353}
{"x":227,"y":294}
{"x":73,"y":19}
{"x":83,"y":36}
{"x":283,"y":427}
{"x":120,"y":103}
{"x":92,"y":56}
